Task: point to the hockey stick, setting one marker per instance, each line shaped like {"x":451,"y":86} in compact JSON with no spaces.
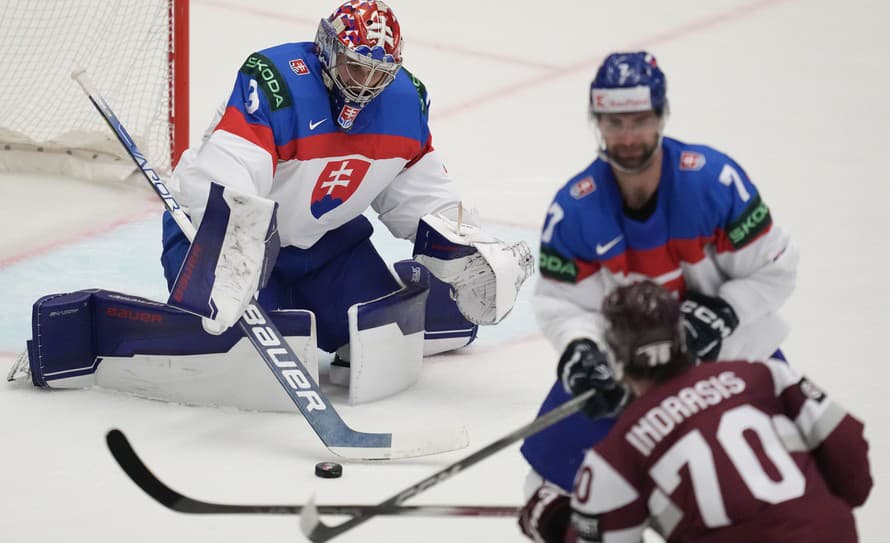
{"x":336,"y":435}
{"x":317,"y":531}
{"x":139,"y":473}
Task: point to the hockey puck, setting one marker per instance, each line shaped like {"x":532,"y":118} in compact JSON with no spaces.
{"x":328,"y":470}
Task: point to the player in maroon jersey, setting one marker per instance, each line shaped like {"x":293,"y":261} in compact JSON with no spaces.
{"x":725,"y":452}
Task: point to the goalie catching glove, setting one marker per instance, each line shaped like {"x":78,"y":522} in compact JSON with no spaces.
{"x":484,"y":272}
{"x":229,"y":260}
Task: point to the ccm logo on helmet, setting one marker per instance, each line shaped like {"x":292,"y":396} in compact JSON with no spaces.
{"x":298,"y":381}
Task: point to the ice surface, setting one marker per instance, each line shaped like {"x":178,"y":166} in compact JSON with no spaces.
{"x":795,"y":91}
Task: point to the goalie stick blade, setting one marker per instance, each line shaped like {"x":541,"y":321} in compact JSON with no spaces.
{"x":138,"y":472}
{"x":409,"y":444}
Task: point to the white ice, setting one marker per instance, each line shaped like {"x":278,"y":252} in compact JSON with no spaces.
{"x":795,"y":90}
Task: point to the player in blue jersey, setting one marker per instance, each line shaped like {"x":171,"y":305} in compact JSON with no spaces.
{"x":312,"y":135}
{"x":686,"y":216}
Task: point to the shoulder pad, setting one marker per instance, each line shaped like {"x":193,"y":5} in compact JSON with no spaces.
{"x":421,"y":91}
{"x":261,"y":68}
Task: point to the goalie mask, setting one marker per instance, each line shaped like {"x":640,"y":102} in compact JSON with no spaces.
{"x":645,"y":332}
{"x":360,"y":48}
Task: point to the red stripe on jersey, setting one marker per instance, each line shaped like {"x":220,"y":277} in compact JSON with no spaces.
{"x":585,"y":269}
{"x":724,"y":246}
{"x":691,"y":251}
{"x":372,"y":146}
{"x":426,"y":149}
{"x":660,"y":260}
{"x":260,"y":135}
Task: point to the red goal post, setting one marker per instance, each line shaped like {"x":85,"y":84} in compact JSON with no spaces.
{"x":137,"y":52}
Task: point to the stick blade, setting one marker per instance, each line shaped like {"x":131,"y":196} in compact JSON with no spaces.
{"x":138,"y":472}
{"x":410,"y":444}
{"x":317,"y":531}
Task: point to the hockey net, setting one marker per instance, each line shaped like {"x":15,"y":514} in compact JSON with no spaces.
{"x":136,"y":51}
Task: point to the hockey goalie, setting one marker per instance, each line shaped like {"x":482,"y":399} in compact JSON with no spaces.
{"x":313,"y":135}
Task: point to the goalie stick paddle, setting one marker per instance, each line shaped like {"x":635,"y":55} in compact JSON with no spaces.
{"x":290,"y":372}
{"x":312,"y":526}
{"x":139,"y":473}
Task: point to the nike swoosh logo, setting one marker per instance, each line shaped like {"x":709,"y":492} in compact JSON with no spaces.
{"x":603,"y":249}
{"x":314,"y":125}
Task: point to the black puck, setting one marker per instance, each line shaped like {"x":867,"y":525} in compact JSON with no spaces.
{"x":328,"y":470}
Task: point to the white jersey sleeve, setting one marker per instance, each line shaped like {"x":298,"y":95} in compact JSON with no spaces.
{"x":421,"y":188}
{"x":762,"y":275}
{"x":567,"y":311}
{"x":226,"y":159}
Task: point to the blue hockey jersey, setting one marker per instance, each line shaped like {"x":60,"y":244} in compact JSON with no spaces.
{"x":277,"y":137}
{"x":710,"y":231}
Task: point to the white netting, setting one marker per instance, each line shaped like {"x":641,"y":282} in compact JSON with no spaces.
{"x":123,"y":44}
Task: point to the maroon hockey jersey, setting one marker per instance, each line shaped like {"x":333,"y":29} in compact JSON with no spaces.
{"x":732,"y":452}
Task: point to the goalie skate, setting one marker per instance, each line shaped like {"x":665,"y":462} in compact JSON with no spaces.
{"x":20,"y":369}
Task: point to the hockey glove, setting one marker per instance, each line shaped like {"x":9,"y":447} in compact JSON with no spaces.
{"x":708,"y":320}
{"x":546,"y":516}
{"x":584,"y":366}
{"x":484,"y":272}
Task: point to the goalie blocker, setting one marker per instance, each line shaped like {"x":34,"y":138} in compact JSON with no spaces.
{"x":229,"y":260}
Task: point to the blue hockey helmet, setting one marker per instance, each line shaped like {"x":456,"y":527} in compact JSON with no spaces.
{"x":628,"y":82}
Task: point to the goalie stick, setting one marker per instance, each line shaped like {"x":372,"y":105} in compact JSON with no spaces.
{"x":336,"y":435}
{"x":312,"y":526}
{"x":139,"y":473}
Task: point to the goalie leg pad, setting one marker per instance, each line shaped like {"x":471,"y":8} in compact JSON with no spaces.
{"x":446,"y":327}
{"x":97,"y":337}
{"x":386,"y":339}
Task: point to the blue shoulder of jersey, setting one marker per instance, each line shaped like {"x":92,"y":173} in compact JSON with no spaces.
{"x":708,"y":191}
{"x":402,"y":109}
{"x":585,"y":214}
{"x":294,"y":102}
{"x":292,"y":96}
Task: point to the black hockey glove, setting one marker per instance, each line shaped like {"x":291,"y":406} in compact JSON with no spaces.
{"x":583,"y":367}
{"x":708,"y":320}
{"x":546,"y":516}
